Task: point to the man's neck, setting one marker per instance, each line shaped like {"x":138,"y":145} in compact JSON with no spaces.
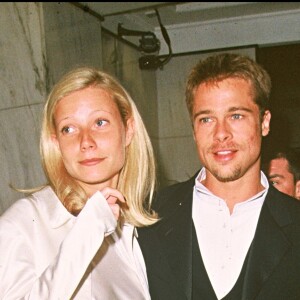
{"x":233,"y":192}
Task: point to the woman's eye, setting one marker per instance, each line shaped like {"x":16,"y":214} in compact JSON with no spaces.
{"x":67,"y":129}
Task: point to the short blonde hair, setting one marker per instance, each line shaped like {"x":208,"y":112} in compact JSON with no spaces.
{"x":137,"y":177}
{"x":230,"y":65}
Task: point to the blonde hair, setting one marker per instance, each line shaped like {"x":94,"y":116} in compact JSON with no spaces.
{"x":137,"y":177}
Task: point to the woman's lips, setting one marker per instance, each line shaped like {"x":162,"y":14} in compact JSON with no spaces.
{"x":91,"y":161}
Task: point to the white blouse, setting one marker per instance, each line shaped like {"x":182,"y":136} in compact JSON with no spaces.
{"x":48,"y":254}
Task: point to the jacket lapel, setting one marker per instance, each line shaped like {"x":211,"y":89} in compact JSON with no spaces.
{"x":167,"y":246}
{"x":175,"y":235}
{"x":269,"y":245}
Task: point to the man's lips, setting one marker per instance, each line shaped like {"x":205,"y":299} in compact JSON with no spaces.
{"x":224,"y":155}
{"x":91,"y":161}
{"x":223,"y":152}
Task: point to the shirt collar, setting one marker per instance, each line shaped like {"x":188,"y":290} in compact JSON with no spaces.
{"x":53,"y":208}
{"x":202,"y":189}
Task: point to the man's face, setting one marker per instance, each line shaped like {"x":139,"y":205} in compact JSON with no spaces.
{"x":280,"y":176}
{"x":228,"y":129}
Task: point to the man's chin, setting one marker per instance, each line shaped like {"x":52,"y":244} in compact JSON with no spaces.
{"x":228,"y":176}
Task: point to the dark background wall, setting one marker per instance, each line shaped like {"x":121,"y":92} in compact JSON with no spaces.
{"x":283,"y":64}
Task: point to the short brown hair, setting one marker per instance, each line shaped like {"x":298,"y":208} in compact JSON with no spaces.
{"x":229,"y":65}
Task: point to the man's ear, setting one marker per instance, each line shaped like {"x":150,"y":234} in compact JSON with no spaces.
{"x":265,"y":126}
{"x":130,"y":129}
{"x":297,"y":190}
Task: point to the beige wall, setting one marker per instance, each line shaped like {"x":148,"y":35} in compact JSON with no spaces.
{"x":22,"y":90}
{"x":38,"y":42}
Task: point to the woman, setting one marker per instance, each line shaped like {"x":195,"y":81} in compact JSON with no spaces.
{"x":75,"y":238}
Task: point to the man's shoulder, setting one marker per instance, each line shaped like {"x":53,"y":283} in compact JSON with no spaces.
{"x":174,"y":188}
{"x":282,"y":202}
{"x":170,"y":195}
{"x":290,"y":201}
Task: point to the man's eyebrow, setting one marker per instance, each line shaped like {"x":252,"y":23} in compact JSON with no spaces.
{"x":274,"y":176}
{"x":235,"y":108}
{"x":201,"y":112}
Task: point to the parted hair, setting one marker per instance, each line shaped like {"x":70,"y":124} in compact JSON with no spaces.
{"x":292,"y":158}
{"x":137,"y":177}
{"x":229,"y":65}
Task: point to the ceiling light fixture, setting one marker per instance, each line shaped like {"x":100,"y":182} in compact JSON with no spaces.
{"x":149,"y":44}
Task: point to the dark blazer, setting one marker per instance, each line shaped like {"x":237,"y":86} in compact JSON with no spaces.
{"x":273,"y":268}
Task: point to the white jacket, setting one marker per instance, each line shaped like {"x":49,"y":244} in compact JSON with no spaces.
{"x":48,"y":254}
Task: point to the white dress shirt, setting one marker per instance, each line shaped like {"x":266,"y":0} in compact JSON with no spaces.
{"x":224,"y":239}
{"x":48,"y":254}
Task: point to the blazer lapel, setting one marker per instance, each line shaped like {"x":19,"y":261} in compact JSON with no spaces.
{"x":175,"y":235}
{"x":155,"y":258}
{"x":268,"y":247}
{"x":167,"y":246}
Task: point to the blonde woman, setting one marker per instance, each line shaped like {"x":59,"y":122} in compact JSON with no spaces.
{"x":75,"y":237}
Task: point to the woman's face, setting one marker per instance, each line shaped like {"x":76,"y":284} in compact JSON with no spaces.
{"x":91,"y":137}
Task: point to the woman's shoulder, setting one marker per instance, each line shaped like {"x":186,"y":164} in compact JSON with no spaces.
{"x":30,"y":206}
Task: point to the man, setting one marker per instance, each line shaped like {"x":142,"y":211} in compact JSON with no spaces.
{"x":225,"y":234}
{"x":283,"y":171}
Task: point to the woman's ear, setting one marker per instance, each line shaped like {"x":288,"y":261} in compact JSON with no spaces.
{"x":54,"y":139}
{"x":130,"y":129}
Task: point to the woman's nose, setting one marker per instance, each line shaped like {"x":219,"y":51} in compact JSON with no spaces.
{"x":87,"y":141}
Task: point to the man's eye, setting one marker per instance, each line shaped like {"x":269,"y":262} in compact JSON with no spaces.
{"x":101,"y":122}
{"x":273,"y":182}
{"x":205,"y":120}
{"x":236,"y":116}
